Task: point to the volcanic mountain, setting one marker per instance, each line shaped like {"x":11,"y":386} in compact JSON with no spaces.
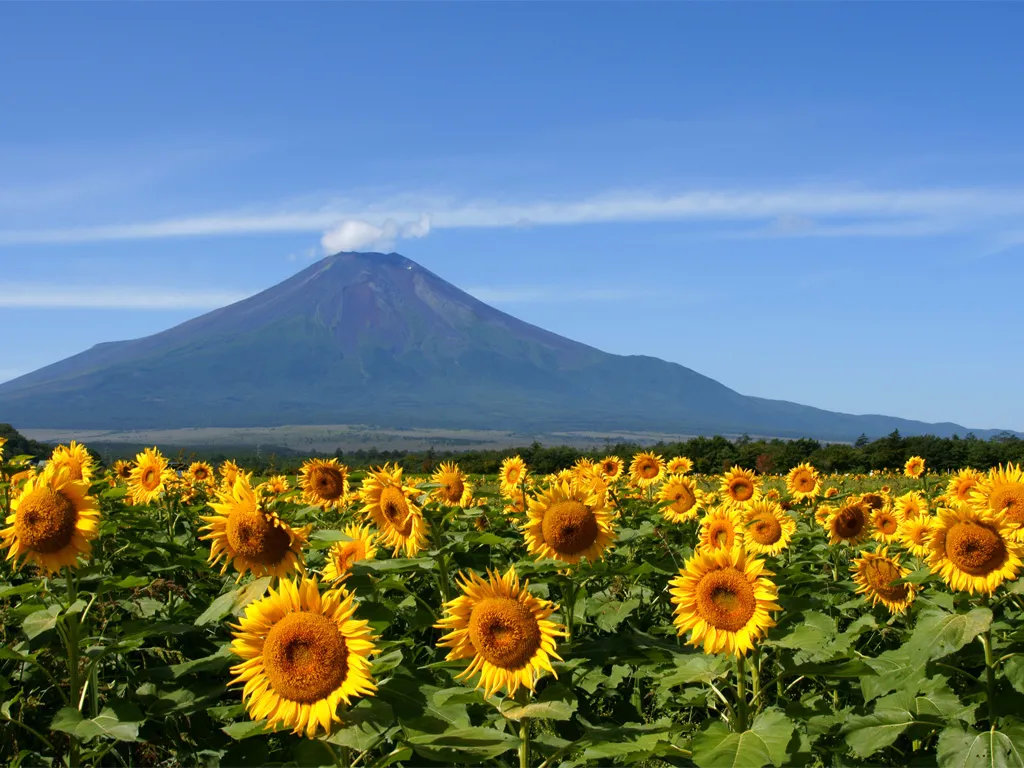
{"x":376,"y":339}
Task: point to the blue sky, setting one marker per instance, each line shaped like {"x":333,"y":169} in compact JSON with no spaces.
{"x":822,"y":203}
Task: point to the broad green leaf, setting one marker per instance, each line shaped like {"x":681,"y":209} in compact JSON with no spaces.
{"x":463,"y":745}
{"x":244,"y":729}
{"x":961,"y":747}
{"x":694,"y":668}
{"x":38,"y":622}
{"x":249,"y":593}
{"x":556,"y":702}
{"x":217,"y":610}
{"x":612,"y":613}
{"x":810,"y":636}
{"x":118,"y":721}
{"x":764,"y":744}
{"x":937,"y":634}
{"x":1013,"y":670}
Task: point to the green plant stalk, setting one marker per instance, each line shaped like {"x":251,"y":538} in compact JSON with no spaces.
{"x":990,"y":675}
{"x":72,"y":651}
{"x":755,"y":678}
{"x":741,"y":694}
{"x":569,"y":598}
{"x":524,"y":743}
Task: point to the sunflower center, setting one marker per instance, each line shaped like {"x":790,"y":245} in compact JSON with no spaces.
{"x":1009,"y":499}
{"x":395,"y":508}
{"x":504,"y":631}
{"x":850,"y":522}
{"x":305,"y":657}
{"x":963,"y":489}
{"x":684,"y":500}
{"x":720,"y":535}
{"x":881,"y":575}
{"x":569,"y":527}
{"x":45,"y":521}
{"x":725,"y":599}
{"x":452,"y":490}
{"x":328,"y":482}
{"x":887,"y":524}
{"x":873,"y":500}
{"x":974,"y":548}
{"x":741,"y":490}
{"x":765,"y":529}
{"x":252,"y":535}
{"x":648,"y":469}
{"x":150,"y":479}
{"x":803,"y":482}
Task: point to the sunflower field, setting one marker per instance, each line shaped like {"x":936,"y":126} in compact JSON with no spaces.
{"x":624,"y":611}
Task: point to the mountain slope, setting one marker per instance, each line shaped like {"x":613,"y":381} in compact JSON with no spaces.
{"x":377,"y":339}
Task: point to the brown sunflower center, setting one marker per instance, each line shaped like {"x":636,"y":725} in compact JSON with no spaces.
{"x":305,"y":657}
{"x":504,"y":631}
{"x":1009,"y":499}
{"x":849,"y":522}
{"x":254,"y":536}
{"x":873,"y":500}
{"x":975,"y":548}
{"x":916,"y":533}
{"x":880,"y":576}
{"x":803,"y":481}
{"x":328,"y":483}
{"x":395,"y":509}
{"x":45,"y":521}
{"x":200,"y":473}
{"x":720,"y":534}
{"x":609,"y":467}
{"x":150,"y":479}
{"x":765,"y":528}
{"x":887,"y":524}
{"x":451,"y":489}
{"x":569,"y":527}
{"x":741,"y":489}
{"x":725,"y":599}
{"x":647,"y":469}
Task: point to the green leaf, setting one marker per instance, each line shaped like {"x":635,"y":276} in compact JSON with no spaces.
{"x":463,"y":745}
{"x":694,"y":668}
{"x":961,"y":747}
{"x":118,"y":721}
{"x":612,"y":613}
{"x":1013,"y":670}
{"x":764,"y":744}
{"x":217,"y":610}
{"x":937,"y":634}
{"x":7,"y":590}
{"x":38,"y":622}
{"x":810,"y":637}
{"x":556,"y":702}
{"x":245,"y":729}
{"x":252,"y":591}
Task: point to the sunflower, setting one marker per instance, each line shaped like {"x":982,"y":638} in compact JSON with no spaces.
{"x":75,"y":459}
{"x":910,"y":504}
{"x":914,"y":533}
{"x":454,"y":489}
{"x":849,"y":523}
{"x":719,"y":529}
{"x":679,"y":465}
{"x":875,"y":501}
{"x":739,"y":485}
{"x":1002,"y":491}
{"x":3,"y":442}
{"x":831,"y":492}
{"x":303,"y":654}
{"x":565,"y":522}
{"x":878,"y":578}
{"x":52,"y":520}
{"x":724,"y":596}
{"x":822,"y":514}
{"x":802,"y":482}
{"x":275,"y":485}
{"x":681,"y":493}
{"x":962,"y":483}
{"x":646,"y":469}
{"x":123,"y":470}
{"x":229,"y":470}
{"x":504,"y":629}
{"x":324,"y":483}
{"x":885,"y":526}
{"x":251,"y":538}
{"x":389,"y":503}
{"x":767,"y":529}
{"x":610,"y":468}
{"x":149,"y":476}
{"x":914,"y":467}
{"x":583,"y":468}
{"x":973,"y":549}
{"x":200,"y":473}
{"x":361,"y":546}
{"x":511,"y":475}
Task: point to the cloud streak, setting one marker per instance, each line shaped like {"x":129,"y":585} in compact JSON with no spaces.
{"x":28,"y":296}
{"x":802,"y":211}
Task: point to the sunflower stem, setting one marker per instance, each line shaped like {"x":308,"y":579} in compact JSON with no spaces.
{"x":72,"y":650}
{"x":741,"y":694}
{"x":755,"y":677}
{"x":990,"y":675}
{"x":569,"y":598}
{"x":524,"y":743}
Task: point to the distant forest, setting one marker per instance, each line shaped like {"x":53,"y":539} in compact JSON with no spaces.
{"x":710,"y":455}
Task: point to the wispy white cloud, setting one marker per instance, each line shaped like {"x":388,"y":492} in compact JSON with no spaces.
{"x":29,"y":296}
{"x":795,"y":212}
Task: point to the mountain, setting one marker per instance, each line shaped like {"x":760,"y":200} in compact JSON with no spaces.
{"x":376,"y":339}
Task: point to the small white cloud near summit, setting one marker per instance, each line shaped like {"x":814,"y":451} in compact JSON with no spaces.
{"x":357,"y":234}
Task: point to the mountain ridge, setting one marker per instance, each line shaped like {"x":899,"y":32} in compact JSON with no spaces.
{"x":378,"y":339}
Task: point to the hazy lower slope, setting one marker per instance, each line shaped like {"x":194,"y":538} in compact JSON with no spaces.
{"x":378,"y":339}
